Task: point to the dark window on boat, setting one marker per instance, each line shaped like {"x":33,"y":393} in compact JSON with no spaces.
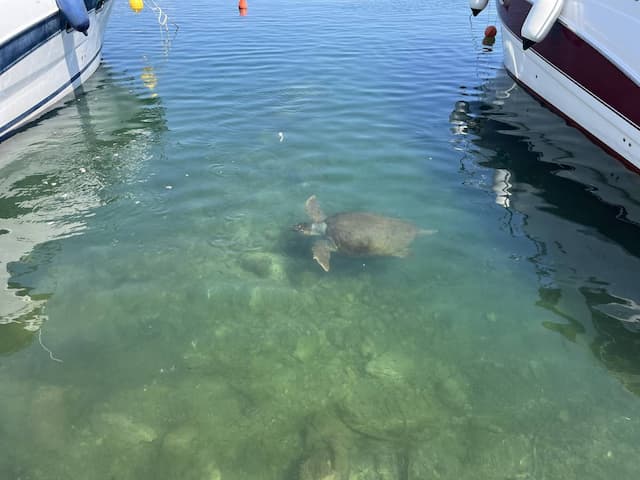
{"x":91,"y":4}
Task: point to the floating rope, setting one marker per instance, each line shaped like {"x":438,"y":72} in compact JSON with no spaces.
{"x":162,"y":18}
{"x":51,"y":355}
{"x":164,"y":22}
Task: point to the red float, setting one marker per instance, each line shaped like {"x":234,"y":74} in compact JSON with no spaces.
{"x":490,"y":31}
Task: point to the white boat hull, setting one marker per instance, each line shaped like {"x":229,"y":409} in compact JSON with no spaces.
{"x":41,"y":79}
{"x":558,"y":71}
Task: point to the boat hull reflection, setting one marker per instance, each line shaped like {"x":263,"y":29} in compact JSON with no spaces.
{"x":579,"y":208}
{"x":55,"y":177}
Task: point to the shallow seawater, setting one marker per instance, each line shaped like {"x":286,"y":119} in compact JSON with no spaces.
{"x":167,"y":323}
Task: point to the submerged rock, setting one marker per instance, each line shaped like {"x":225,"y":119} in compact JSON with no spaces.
{"x":368,"y":348}
{"x":309,"y":346}
{"x":122,"y":428}
{"x":180,"y":439}
{"x":318,"y":465}
{"x":272,"y":300}
{"x":390,"y":366}
{"x":48,"y":417}
{"x":391,"y":411}
{"x":187,"y":455}
{"x":211,"y":472}
{"x":451,"y":386}
{"x":263,"y":265}
{"x":327,"y":443}
{"x":379,"y":461}
{"x":453,"y":391}
{"x":194,"y":359}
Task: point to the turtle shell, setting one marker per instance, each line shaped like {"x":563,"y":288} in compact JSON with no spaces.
{"x":362,"y":234}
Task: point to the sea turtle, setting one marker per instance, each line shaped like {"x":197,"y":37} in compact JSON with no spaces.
{"x":356,"y":234}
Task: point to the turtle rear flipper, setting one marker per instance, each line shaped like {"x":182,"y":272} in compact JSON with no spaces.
{"x":313,"y":209}
{"x":402,"y":253}
{"x":322,"y":252}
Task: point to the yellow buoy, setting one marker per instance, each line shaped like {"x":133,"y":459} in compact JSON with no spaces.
{"x":136,"y":5}
{"x":149,"y":79}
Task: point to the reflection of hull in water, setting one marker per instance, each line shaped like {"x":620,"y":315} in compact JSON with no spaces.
{"x":54,"y":176}
{"x":582,"y":212}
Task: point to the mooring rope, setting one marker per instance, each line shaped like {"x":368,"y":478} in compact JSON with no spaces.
{"x":51,"y":355}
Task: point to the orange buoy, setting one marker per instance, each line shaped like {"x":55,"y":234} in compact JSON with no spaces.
{"x":490,"y":31}
{"x":242,"y":5}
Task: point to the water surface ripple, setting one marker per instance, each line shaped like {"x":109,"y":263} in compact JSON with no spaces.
{"x":161,"y":320}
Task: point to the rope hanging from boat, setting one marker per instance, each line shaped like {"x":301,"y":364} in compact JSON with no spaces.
{"x":162,"y":18}
{"x":163,"y":22}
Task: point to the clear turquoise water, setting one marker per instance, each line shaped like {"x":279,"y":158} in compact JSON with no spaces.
{"x":186,"y":332}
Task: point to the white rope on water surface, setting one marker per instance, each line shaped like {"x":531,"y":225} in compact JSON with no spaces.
{"x":162,"y":17}
{"x":506,"y":93}
{"x":51,"y":355}
{"x":163,"y":22}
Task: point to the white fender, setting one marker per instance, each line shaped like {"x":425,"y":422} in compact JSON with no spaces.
{"x":477,"y":6}
{"x":539,"y":21}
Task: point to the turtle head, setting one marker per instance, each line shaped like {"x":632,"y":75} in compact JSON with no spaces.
{"x":310,"y":228}
{"x":303,"y":228}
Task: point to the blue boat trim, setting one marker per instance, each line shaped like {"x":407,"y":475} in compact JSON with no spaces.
{"x":45,"y":100}
{"x":25,"y":42}
{"x":21,"y":45}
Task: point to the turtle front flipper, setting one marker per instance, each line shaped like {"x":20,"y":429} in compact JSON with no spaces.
{"x":322,"y":252}
{"x":313,"y":209}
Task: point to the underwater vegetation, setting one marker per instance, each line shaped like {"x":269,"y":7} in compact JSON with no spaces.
{"x":317,"y":378}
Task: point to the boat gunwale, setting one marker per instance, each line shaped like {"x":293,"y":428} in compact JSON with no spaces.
{"x":9,"y":60}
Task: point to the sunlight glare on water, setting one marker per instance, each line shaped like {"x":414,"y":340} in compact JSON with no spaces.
{"x":146,"y":228}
